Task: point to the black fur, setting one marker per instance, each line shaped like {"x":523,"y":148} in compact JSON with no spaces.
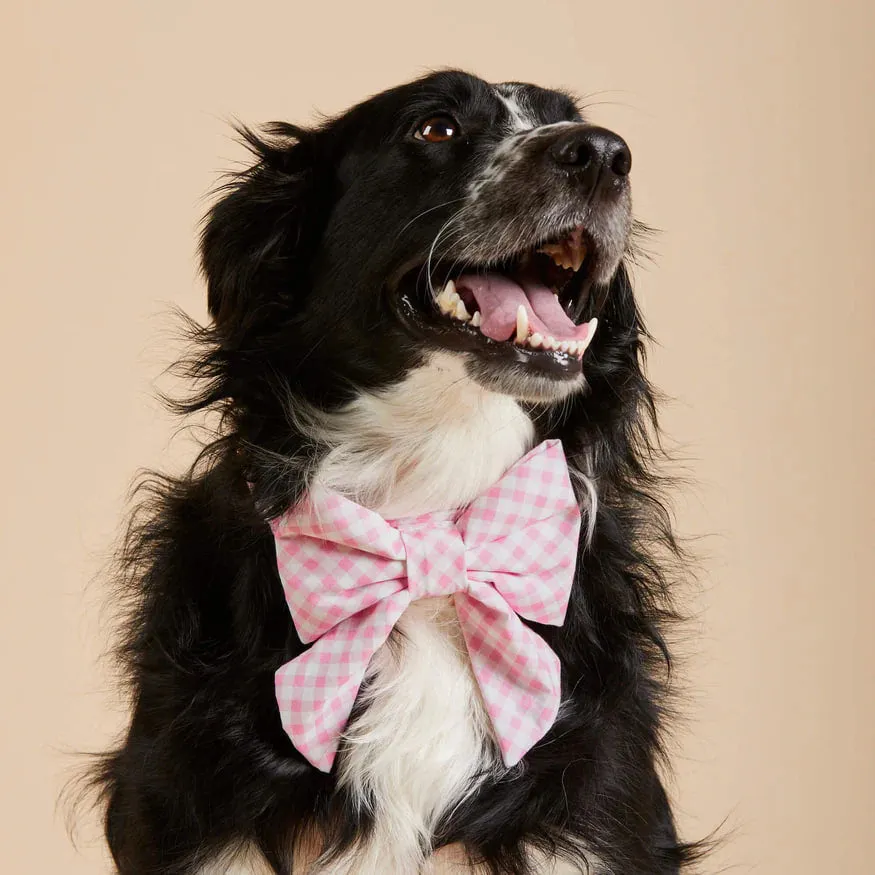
{"x":296,"y":253}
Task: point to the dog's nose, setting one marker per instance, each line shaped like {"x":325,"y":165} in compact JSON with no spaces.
{"x":591,"y":150}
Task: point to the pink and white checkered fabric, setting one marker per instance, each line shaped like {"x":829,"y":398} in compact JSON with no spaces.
{"x":349,"y":575}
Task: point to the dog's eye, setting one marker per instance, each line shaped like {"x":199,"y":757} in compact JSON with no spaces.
{"x":437,"y":129}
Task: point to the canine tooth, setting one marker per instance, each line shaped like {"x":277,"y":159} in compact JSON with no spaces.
{"x":476,"y":319}
{"x":578,"y":254}
{"x":446,"y":300}
{"x":535,"y":341}
{"x":461,"y":312}
{"x":593,"y":324}
{"x":522,"y":324}
{"x":583,"y":344}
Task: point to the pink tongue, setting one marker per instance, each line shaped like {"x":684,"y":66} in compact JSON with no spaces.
{"x":499,"y":298}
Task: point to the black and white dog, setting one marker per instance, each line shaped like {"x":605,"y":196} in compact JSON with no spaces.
{"x":404,"y":301}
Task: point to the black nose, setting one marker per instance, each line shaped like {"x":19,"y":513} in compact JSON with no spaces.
{"x":592,"y":150}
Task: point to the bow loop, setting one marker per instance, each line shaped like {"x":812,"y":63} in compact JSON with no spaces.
{"x":522,"y":535}
{"x":335,"y":558}
{"x":533,"y":490}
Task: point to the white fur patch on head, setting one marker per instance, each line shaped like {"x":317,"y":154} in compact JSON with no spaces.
{"x":509,"y":151}
{"x":521,"y":116}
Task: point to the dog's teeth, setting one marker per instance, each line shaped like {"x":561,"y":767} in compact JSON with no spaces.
{"x":476,"y":319}
{"x":461,"y":311}
{"x":563,"y":347}
{"x":446,"y":300}
{"x":551,"y":343}
{"x":568,"y":254}
{"x":593,"y":324}
{"x":583,"y":344}
{"x":535,"y":341}
{"x":522,"y":324}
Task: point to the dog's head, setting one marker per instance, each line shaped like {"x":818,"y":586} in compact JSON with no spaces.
{"x":489,"y":221}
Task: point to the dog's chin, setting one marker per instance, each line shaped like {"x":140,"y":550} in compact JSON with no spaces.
{"x":522,"y":381}
{"x":521,"y":324}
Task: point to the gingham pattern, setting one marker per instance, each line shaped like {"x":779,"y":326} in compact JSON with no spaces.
{"x":349,"y":575}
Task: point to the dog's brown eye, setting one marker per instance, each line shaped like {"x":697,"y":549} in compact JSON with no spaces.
{"x":437,"y":129}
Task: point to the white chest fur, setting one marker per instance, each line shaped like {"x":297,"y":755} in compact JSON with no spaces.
{"x":433,"y":442}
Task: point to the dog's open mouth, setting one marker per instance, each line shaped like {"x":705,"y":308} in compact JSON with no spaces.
{"x":521,"y":305}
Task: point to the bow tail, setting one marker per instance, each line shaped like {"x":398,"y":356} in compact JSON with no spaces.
{"x":518,"y":674}
{"x":316,"y":690}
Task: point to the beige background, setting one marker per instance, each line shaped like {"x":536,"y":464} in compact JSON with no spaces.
{"x":752,"y":125}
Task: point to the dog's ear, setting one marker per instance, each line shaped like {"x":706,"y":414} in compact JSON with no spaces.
{"x":252,"y":236}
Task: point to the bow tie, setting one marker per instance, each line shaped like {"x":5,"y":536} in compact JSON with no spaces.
{"x":349,"y":574}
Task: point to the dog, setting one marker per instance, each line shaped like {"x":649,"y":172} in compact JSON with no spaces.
{"x":405,"y":301}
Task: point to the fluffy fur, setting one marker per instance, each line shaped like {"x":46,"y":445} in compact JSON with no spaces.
{"x":323,"y":370}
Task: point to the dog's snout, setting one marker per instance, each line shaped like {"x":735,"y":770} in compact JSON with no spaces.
{"x":591,"y":150}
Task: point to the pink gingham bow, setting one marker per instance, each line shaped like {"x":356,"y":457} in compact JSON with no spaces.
{"x":349,"y":575}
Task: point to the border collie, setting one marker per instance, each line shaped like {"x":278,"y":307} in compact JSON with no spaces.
{"x":404,"y":301}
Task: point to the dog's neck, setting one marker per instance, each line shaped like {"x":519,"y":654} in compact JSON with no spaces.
{"x":432,"y":442}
